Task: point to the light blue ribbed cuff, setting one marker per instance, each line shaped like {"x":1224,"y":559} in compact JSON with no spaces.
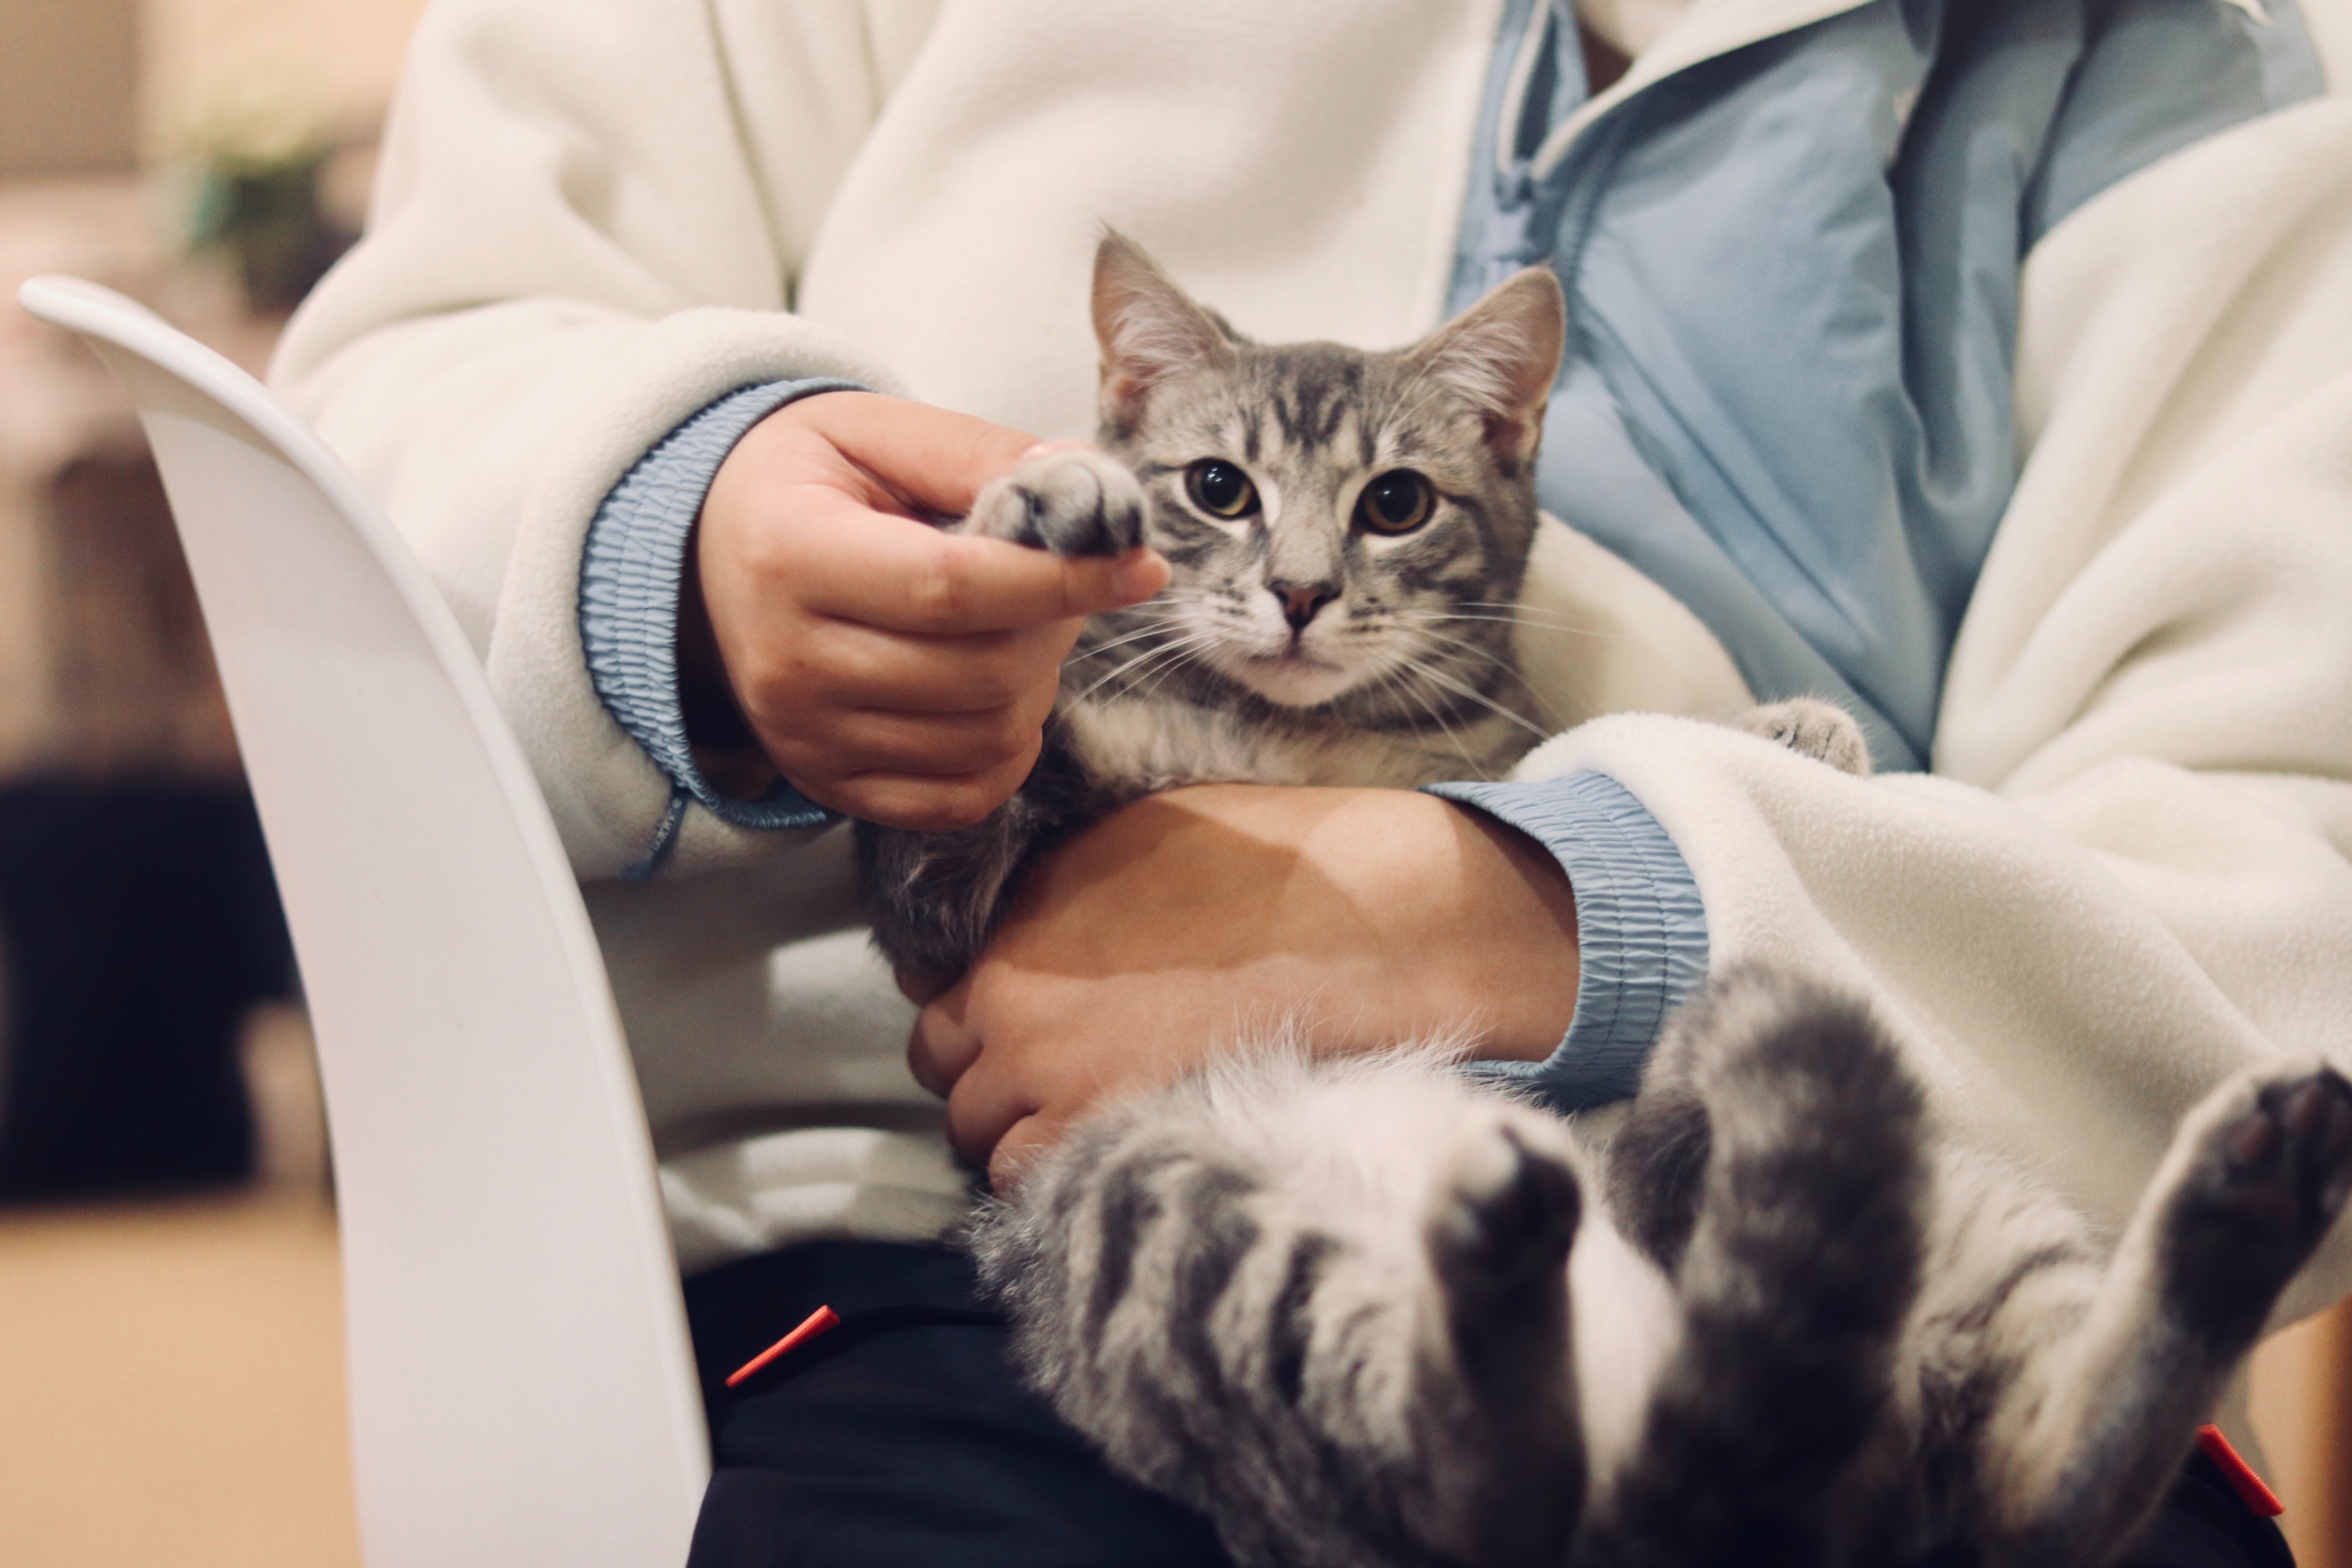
{"x":1640,"y":930}
{"x":630,"y":574}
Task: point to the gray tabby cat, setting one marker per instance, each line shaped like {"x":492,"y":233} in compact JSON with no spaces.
{"x":1348,"y":533}
{"x":1365,"y":1315}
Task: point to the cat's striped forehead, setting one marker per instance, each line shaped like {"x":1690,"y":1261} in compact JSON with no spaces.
{"x":1315,"y":407}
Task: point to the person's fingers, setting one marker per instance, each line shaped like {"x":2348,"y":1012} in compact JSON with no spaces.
{"x":908,"y":576}
{"x":851,"y":666}
{"x":921,"y":802}
{"x":1019,"y":1149}
{"x":936,"y":458}
{"x":937,"y":745}
{"x":940,"y":1048}
{"x":916,"y":986}
{"x":987,"y":1103}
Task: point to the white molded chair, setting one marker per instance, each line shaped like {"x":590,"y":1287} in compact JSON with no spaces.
{"x":522,"y":1391}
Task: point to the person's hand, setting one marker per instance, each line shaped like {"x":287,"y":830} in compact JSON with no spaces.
{"x":888,"y":671}
{"x":1195,"y":921}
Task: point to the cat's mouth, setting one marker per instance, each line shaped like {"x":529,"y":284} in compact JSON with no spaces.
{"x":1293,"y":677}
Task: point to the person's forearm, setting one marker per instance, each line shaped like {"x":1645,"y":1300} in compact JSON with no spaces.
{"x":1467,"y":926}
{"x":1196,"y":922}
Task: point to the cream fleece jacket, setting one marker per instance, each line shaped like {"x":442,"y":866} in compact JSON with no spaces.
{"x":2128,"y":871}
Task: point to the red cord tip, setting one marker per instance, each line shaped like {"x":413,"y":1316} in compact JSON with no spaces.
{"x":2250,"y":1487}
{"x":817,"y":1322}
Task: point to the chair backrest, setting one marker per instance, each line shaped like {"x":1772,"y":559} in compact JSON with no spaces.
{"x":522,"y":1389}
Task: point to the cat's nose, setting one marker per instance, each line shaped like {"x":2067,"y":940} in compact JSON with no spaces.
{"x":1301,"y":600}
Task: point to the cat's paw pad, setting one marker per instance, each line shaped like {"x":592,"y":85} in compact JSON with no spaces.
{"x":1506,"y":1212}
{"x":2282,"y":1163}
{"x":1811,"y":727}
{"x":1072,"y":501}
{"x":2270,"y":1173}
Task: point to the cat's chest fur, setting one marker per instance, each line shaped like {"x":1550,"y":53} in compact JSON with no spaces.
{"x":1141,"y":744}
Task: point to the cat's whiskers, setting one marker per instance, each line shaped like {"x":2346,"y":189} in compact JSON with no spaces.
{"x":1179,"y":645}
{"x":1398,"y":675}
{"x":1422,"y":670}
{"x":1186,"y":652}
{"x":1461,"y":647}
{"x":1166,"y":623}
{"x":1521,"y":620}
{"x":1511,"y":608}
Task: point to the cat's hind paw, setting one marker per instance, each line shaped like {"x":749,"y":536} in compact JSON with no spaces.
{"x":1071,"y":501}
{"x":1811,"y":728}
{"x":1506,"y":1214}
{"x":2270,"y":1173}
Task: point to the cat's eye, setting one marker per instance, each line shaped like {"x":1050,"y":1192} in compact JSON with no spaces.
{"x":1396,"y":503}
{"x":1220,"y":488}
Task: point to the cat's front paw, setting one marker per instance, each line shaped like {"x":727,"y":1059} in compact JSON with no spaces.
{"x":1074,"y":502}
{"x":1811,"y":727}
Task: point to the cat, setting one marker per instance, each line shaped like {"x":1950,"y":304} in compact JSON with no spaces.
{"x":1345,"y":533}
{"x":1367,"y":1314}
{"x":1348,"y":533}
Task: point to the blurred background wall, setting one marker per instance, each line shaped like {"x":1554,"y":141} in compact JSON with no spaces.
{"x":89,"y":87}
{"x":69,"y":88}
{"x":170,"y":1384}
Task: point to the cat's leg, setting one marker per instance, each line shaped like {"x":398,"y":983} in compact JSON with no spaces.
{"x":935,"y":899}
{"x":1072,"y":500}
{"x":1328,"y":1306}
{"x":1802,"y":1261}
{"x":1811,"y":728}
{"x":1505,"y":1485}
{"x":2082,"y":1449}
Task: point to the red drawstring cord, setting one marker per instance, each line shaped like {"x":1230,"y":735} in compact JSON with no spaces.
{"x":818,"y":1321}
{"x":2250,"y":1487}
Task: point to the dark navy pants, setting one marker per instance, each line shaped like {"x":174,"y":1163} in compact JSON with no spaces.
{"x":902,"y":1439}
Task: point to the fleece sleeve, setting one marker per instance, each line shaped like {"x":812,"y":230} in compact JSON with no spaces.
{"x":2130,"y":871}
{"x":1641,"y":929}
{"x":556,"y":275}
{"x":632,"y":574}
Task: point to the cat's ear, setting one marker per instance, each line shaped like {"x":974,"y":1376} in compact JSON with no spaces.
{"x":1148,"y":326}
{"x":1501,"y":356}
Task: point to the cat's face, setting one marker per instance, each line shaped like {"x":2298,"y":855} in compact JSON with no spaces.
{"x":1336,"y":522}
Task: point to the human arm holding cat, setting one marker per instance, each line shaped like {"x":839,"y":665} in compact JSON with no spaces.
{"x":889,"y":671}
{"x":1156,"y":939}
{"x":897,"y":671}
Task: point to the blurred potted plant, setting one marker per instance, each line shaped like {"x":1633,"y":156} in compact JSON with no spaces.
{"x":259,"y":155}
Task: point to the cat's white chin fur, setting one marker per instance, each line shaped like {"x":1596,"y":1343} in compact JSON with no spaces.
{"x":1292,"y":679}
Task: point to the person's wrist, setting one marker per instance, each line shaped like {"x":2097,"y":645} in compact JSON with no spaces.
{"x":1491,"y":945}
{"x":1517,"y":955}
{"x":726,"y":752}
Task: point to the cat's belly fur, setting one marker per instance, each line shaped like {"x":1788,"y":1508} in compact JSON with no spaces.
{"x":1158,"y":744}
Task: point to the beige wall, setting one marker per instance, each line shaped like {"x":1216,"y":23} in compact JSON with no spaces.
{"x":339,"y":58}
{"x":69,"y":86}
{"x":86,"y":87}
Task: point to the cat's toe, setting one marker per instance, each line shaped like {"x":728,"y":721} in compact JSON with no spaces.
{"x":2271,"y":1173}
{"x":1811,"y":727}
{"x":1507,"y":1214}
{"x":2289,"y":1156}
{"x":1072,"y":501}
